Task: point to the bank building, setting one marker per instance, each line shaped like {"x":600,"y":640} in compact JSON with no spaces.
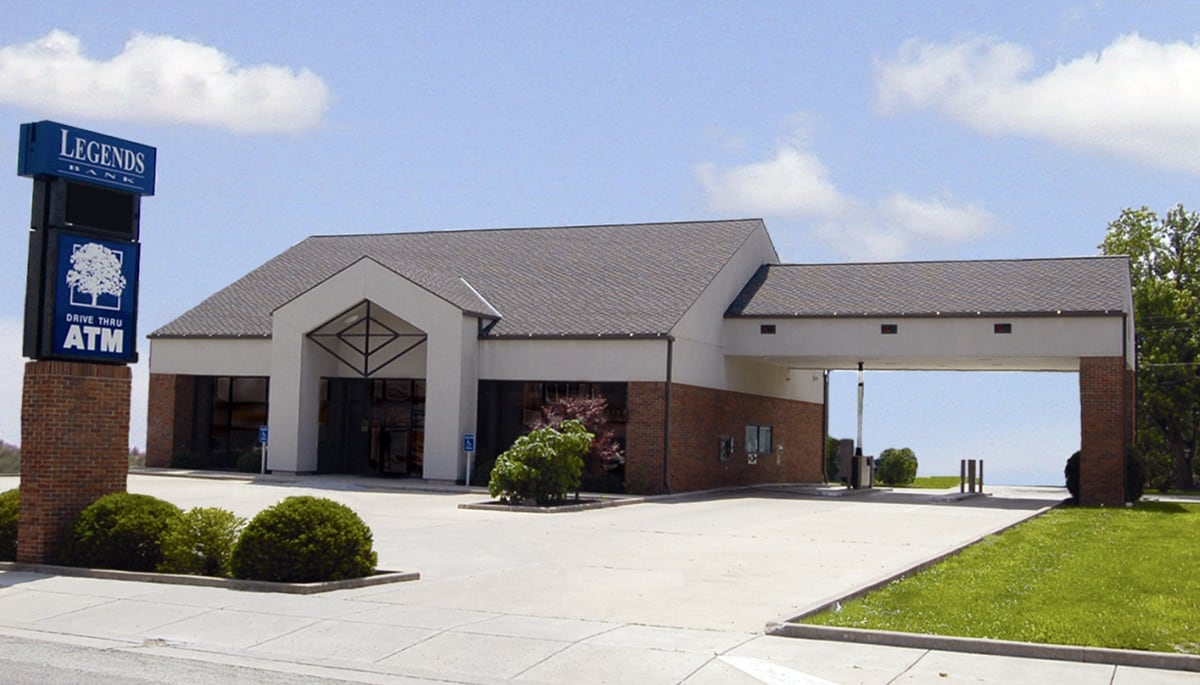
{"x":376,"y":354}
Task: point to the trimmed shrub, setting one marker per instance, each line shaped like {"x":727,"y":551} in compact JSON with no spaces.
{"x":831,"y":458}
{"x":122,"y":531}
{"x":304,"y":539}
{"x":542,"y":466}
{"x":1135,"y":475}
{"x":200,"y":542}
{"x":1071,"y":473}
{"x":10,"y":501}
{"x":897,"y":466}
{"x":250,"y":461}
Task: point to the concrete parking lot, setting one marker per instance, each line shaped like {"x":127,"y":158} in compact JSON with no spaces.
{"x":669,"y":590}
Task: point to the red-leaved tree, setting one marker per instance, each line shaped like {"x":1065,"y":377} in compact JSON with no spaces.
{"x":593,"y":413}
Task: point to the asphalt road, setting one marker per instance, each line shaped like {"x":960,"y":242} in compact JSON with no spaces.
{"x":35,"y":662}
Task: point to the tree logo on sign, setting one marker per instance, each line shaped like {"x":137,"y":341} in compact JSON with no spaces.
{"x":95,"y":272}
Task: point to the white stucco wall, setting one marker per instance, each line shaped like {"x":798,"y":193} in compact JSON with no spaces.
{"x":514,"y":359}
{"x":1035,"y":344}
{"x":411,"y":365}
{"x":701,"y":325}
{"x":701,"y":357}
{"x":297,"y":365}
{"x":211,"y":356}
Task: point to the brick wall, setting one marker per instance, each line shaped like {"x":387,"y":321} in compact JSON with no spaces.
{"x":74,"y":448}
{"x":169,"y":415}
{"x":1106,"y":427}
{"x":644,"y":438}
{"x":699,"y":418}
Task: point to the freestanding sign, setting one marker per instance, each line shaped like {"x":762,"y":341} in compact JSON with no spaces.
{"x":81,"y":299}
{"x":51,"y":149}
{"x":94,"y":285}
{"x":80,"y":324}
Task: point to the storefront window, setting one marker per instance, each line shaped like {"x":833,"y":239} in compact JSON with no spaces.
{"x":228,"y":411}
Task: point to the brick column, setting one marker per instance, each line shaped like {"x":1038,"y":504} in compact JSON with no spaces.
{"x":169,"y":417}
{"x":646,"y":406}
{"x":1106,"y":411}
{"x":74,"y":448}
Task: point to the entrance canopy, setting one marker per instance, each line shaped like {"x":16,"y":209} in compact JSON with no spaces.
{"x":1007,"y":315}
{"x":1002,"y":315}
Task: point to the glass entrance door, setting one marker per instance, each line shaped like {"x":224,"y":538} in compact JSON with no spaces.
{"x":372,"y":427}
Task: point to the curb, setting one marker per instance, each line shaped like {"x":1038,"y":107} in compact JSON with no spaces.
{"x":790,"y":627}
{"x":558,"y":509}
{"x":1024,"y":650}
{"x":380,"y":578}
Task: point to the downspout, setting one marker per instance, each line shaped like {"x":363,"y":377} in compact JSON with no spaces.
{"x":858,"y":450}
{"x":824,"y":423}
{"x":1129,"y":391}
{"x":667,"y":417}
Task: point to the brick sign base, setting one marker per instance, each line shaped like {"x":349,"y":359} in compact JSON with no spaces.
{"x":74,"y":448}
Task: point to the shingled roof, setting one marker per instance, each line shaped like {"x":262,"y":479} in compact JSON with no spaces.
{"x":629,"y":279}
{"x":1082,"y":285}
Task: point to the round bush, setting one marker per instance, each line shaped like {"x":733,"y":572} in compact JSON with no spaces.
{"x":304,"y":540}
{"x":200,"y":542}
{"x":122,"y":531}
{"x":9,"y":503}
{"x":1071,"y":474}
{"x":897,"y":466}
{"x":250,"y":461}
{"x":1135,"y":475}
{"x":542,"y":466}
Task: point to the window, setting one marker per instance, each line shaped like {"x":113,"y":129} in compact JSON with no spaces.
{"x":758,"y":439}
{"x":1002,"y":328}
{"x":226,"y":414}
{"x":767,"y":329}
{"x":889,"y":329}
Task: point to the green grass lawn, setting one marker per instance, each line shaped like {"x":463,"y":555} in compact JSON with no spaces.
{"x":932,"y":482}
{"x":1118,"y":578}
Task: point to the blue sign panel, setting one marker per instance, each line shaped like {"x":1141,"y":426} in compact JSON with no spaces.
{"x":469,"y":442}
{"x":95,"y":299}
{"x":51,"y":149}
{"x":263,"y":433}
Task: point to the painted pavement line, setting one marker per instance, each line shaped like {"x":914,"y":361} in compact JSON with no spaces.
{"x":771,"y":673}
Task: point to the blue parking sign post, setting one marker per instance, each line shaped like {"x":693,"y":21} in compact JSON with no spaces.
{"x":469,"y":448}
{"x":263,"y":435}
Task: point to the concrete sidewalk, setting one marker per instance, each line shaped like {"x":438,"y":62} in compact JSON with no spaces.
{"x":668,"y":591}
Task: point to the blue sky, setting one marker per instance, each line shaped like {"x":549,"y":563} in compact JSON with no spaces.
{"x":858,"y":131}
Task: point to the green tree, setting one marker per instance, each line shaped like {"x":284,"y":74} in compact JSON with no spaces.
{"x":897,"y":466}
{"x":1164,"y":259}
{"x":831,"y":459}
{"x":542,"y":466}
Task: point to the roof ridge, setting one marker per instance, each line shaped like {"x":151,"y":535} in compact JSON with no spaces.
{"x":437,"y":231}
{"x":990,"y":260}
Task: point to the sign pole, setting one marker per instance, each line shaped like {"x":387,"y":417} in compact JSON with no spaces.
{"x":469,"y":448}
{"x":263,"y":436}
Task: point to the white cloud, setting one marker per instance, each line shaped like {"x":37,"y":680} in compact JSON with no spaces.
{"x":1136,"y":98}
{"x":935,"y":219}
{"x":794,"y":185}
{"x":161,"y":79}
